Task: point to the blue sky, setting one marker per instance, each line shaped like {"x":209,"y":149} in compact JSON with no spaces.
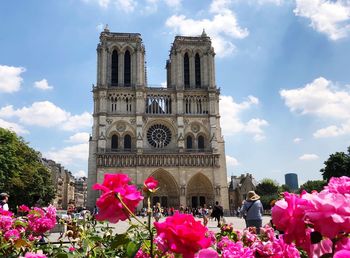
{"x":283,"y":67}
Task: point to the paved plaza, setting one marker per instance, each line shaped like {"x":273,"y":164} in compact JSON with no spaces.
{"x":120,"y":227}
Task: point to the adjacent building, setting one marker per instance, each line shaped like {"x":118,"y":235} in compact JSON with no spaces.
{"x":171,"y":133}
{"x":80,"y":195}
{"x":238,"y":189}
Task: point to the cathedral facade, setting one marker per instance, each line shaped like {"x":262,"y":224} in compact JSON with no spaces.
{"x":172,"y":133}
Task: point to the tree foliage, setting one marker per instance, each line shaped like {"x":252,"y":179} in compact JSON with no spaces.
{"x":311,"y":185}
{"x":337,"y":165}
{"x":22,"y":174}
{"x":268,"y":190}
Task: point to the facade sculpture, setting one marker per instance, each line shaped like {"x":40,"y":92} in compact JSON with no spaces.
{"x":171,"y":133}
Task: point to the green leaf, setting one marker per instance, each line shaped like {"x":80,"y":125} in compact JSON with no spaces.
{"x":316,"y":237}
{"x":62,"y":255}
{"x":120,"y":239}
{"x":132,"y":249}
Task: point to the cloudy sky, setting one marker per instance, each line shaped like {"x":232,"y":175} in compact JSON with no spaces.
{"x":283,"y":67}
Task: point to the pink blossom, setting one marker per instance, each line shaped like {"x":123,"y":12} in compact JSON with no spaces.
{"x":110,"y":208}
{"x":339,"y":185}
{"x":40,"y":221}
{"x":329,"y":213}
{"x":230,"y":249}
{"x":151,"y":184}
{"x":284,"y":250}
{"x":5,"y":222}
{"x":34,"y":255}
{"x":23,"y":208}
{"x":342,"y":254}
{"x":182,"y":234}
{"x":207,"y":253}
{"x":71,"y":249}
{"x":288,"y":216}
{"x":12,"y":234}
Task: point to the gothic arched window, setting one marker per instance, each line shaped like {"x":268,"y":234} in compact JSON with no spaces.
{"x":114,"y":142}
{"x":127,"y":68}
{"x":200,"y":142}
{"x":197,"y":69}
{"x":186,"y":71}
{"x":114,"y":70}
{"x":127,"y":142}
{"x":189,"y":142}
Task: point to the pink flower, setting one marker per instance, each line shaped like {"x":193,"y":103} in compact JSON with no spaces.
{"x":5,"y":222}
{"x":110,"y":208}
{"x":151,"y":184}
{"x":284,"y":250}
{"x":288,"y":216}
{"x":230,"y":249}
{"x":71,"y":249}
{"x":23,"y":208}
{"x":182,"y":234}
{"x":41,"y":221}
{"x":338,"y":185}
{"x":329,"y":213}
{"x":12,"y":234}
{"x":34,"y":255}
{"x":342,"y":254}
{"x":207,"y":253}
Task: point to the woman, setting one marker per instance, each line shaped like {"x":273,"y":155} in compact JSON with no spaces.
{"x":157,"y":212}
{"x":205,"y":213}
{"x":252,"y":211}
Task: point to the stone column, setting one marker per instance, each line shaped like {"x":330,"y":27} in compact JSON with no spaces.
{"x":192,"y":72}
{"x":120,"y":68}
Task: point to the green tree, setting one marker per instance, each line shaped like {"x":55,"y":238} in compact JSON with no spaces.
{"x":22,"y":174}
{"x":337,"y":165}
{"x":268,"y":190}
{"x":311,"y":185}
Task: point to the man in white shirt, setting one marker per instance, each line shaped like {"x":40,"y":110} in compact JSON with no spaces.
{"x":4,"y":197}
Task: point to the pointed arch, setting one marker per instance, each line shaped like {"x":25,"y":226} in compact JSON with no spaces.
{"x":200,"y":191}
{"x":114,"y":142}
{"x":189,"y":142}
{"x":127,"y":68}
{"x":168,"y":192}
{"x":114,"y":68}
{"x":197,"y":70}
{"x":200,"y":141}
{"x":127,"y":142}
{"x":186,"y":70}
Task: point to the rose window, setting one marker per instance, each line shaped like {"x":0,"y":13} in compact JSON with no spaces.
{"x":159,"y":136}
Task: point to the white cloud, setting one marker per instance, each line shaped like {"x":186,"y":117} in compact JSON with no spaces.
{"x":70,"y":155}
{"x":47,"y":114}
{"x":13,"y":127}
{"x":223,"y":27}
{"x":323,"y":99}
{"x":231,"y":161}
{"x":231,"y":122}
{"x":10,"y":78}
{"x":163,"y":85}
{"x":43,"y":85}
{"x":309,"y":157}
{"x":123,"y":5}
{"x":173,"y":3}
{"x":79,"y":138}
{"x":297,"y":140}
{"x":329,"y":17}
{"x":80,"y":173}
{"x":276,"y":2}
{"x":319,"y":98}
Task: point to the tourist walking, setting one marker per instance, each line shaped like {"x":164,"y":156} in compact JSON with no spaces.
{"x":205,"y":213}
{"x":157,"y":212}
{"x":252,"y":211}
{"x":217,"y":212}
{"x":4,"y":198}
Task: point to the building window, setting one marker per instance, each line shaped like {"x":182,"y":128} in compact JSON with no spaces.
{"x":114,"y":143}
{"x":127,"y":68}
{"x":200,"y":142}
{"x":197,"y":70}
{"x":127,"y":142}
{"x":189,"y":142}
{"x":114,"y":71}
{"x":186,"y":71}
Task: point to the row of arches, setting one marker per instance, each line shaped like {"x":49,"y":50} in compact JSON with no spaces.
{"x":192,"y":143}
{"x":115,"y":68}
{"x":187,"y":70}
{"x":116,"y":144}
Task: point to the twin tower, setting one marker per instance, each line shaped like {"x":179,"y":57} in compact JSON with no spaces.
{"x":172,"y":133}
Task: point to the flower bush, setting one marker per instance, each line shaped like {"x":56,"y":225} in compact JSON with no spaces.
{"x":306,"y":225}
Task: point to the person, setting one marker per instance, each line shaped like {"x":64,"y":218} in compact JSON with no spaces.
{"x":252,"y":211}
{"x":4,"y":197}
{"x":205,"y":214}
{"x":157,"y":212}
{"x":217,"y":212}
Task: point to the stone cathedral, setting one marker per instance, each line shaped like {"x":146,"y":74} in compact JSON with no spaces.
{"x":172,"y":133}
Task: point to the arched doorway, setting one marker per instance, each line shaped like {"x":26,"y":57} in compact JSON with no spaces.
{"x":168,"y":194}
{"x":200,"y":191}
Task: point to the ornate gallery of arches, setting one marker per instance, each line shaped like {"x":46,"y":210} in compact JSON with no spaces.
{"x":200,"y":191}
{"x":168,"y":194}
